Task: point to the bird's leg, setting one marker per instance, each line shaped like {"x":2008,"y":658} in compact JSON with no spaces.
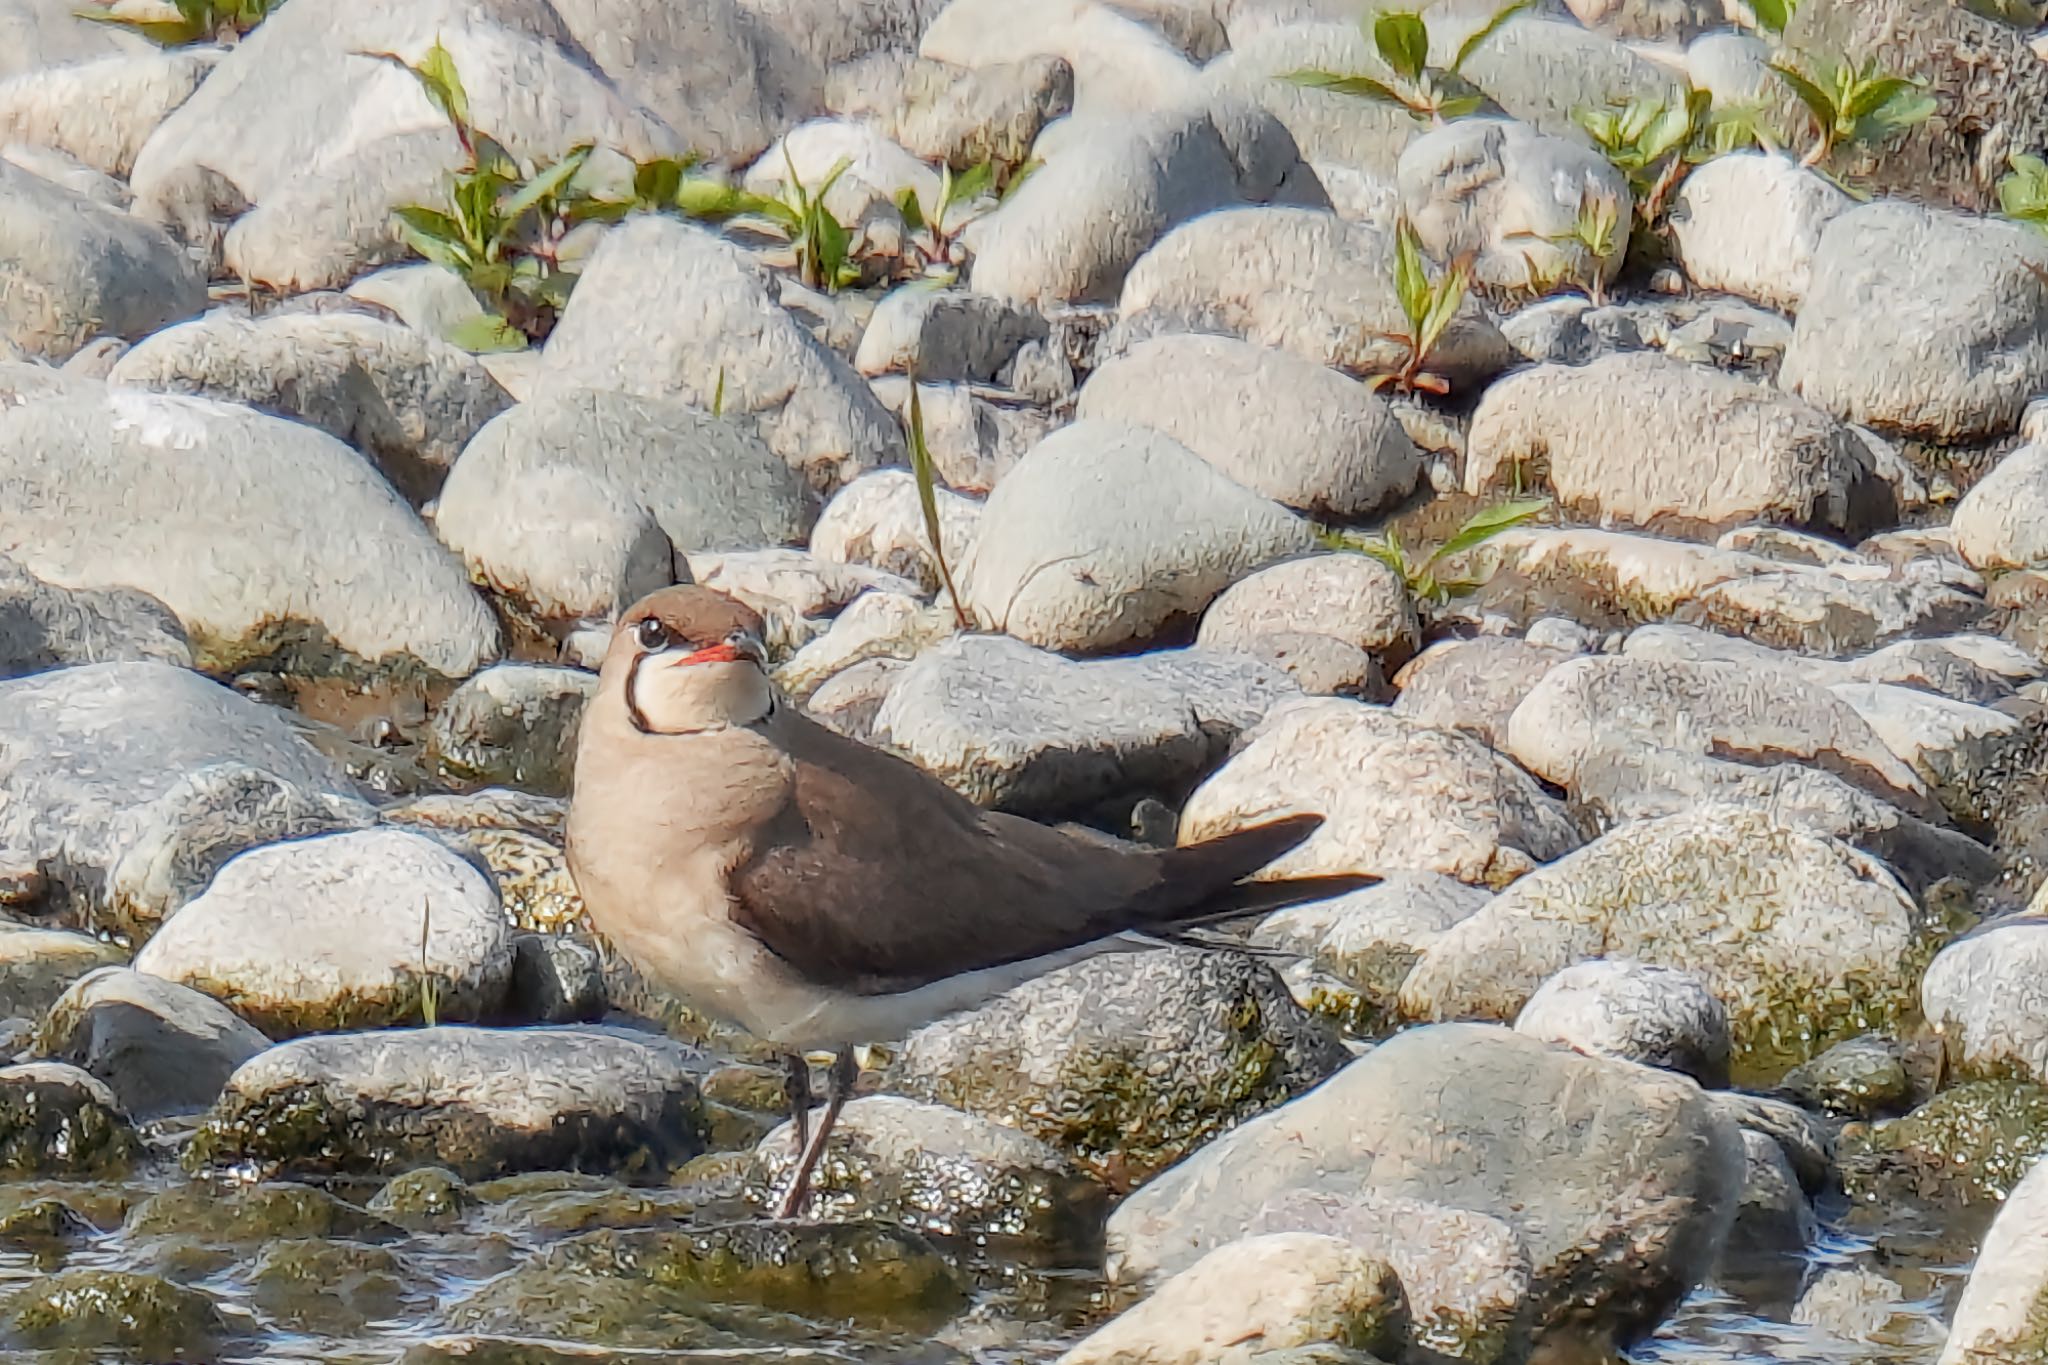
{"x":838,"y":1090}
{"x":796,"y":1084}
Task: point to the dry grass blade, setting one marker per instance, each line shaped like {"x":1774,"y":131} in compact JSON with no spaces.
{"x":921,"y":469}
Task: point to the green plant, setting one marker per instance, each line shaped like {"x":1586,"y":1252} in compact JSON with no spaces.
{"x":954,"y":191}
{"x":2023,"y":192}
{"x":1427,"y":305}
{"x":823,"y":245}
{"x":430,"y":987}
{"x":1432,"y":94}
{"x":925,"y":472}
{"x":1422,"y":576}
{"x":1593,"y":229}
{"x":501,"y":232}
{"x":1854,"y":104}
{"x":221,"y":21}
{"x":656,"y":186}
{"x":1772,"y":15}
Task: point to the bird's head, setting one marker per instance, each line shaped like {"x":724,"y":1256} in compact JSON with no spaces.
{"x":687,"y":659}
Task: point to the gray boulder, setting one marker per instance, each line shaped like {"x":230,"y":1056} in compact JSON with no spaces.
{"x":1395,"y":796}
{"x":955,"y":115}
{"x":1298,"y":432}
{"x":37,"y":965}
{"x":126,"y":786}
{"x":1998,"y":1318}
{"x":44,"y":626}
{"x":1348,"y":597}
{"x":1821,"y":612}
{"x":1803,"y":939}
{"x":1951,"y":357}
{"x":1542,"y":69}
{"x":1473,"y":685}
{"x":664,"y":308}
{"x":878,"y":520}
{"x":1126,"y":1063}
{"x":340,"y":931}
{"x":944,"y":335}
{"x":410,"y":401}
{"x":1981,"y":994}
{"x":1332,"y":129}
{"x":1633,"y":1012}
{"x":1750,"y":223}
{"x":100,"y":111}
{"x":47,"y":33}
{"x":1071,"y":557}
{"x":1997,"y":523}
{"x":270,"y":540}
{"x":496,"y":1101}
{"x":1016,"y":728}
{"x":513,"y":725}
{"x":162,"y":1049}
{"x":76,"y":269}
{"x":1619,"y":1180}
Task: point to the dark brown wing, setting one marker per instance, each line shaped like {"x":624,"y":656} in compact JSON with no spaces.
{"x":879,"y":876}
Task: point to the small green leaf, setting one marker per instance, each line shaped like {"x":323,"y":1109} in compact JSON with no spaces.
{"x":1459,"y":106}
{"x":1771,"y":15}
{"x":1402,"y":41}
{"x":545,"y":184}
{"x":1487,"y":523}
{"x":1817,"y":101}
{"x":1901,"y":113}
{"x":969,"y":185}
{"x":1411,"y":281}
{"x":437,"y":76}
{"x":1445,"y":300}
{"x":1485,"y":31}
{"x":487,"y":334}
{"x":656,"y":182}
{"x":1866,"y":97}
{"x":1017,"y":178}
{"x":1360,"y":87}
{"x":910,"y":209}
{"x":718,"y":394}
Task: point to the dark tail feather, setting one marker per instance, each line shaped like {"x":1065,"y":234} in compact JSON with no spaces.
{"x":1205,"y":883}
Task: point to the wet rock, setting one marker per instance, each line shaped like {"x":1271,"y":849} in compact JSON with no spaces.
{"x":341,"y":931}
{"x":946,"y":1174}
{"x":1797,"y":464}
{"x":1964,"y":1149}
{"x":1269,"y":1293}
{"x":479,"y":1102}
{"x":1996,"y":522}
{"x":555,"y":980}
{"x":1998,"y":1317}
{"x":325,"y":567}
{"x":56,"y":1120}
{"x":1396,"y":795}
{"x":878,"y":520}
{"x":1473,"y":685}
{"x":1370,"y":939}
{"x":1952,"y":360}
{"x":1015,"y":728}
{"x":251,"y":1215}
{"x":77,"y":269}
{"x":409,"y":400}
{"x":513,"y":724}
{"x":944,"y":335}
{"x":1982,"y":995}
{"x":1512,"y":198}
{"x":1297,"y":432}
{"x":1803,"y":939}
{"x":1750,"y":223}
{"x":160,"y":1048}
{"x":333,"y":1287}
{"x":36,"y":965}
{"x":1120,"y":571}
{"x":1826,"y":613}
{"x":1351,"y":598}
{"x":1750,"y":711}
{"x":426,"y":1198}
{"x":1857,"y":1304}
{"x":128,"y":785}
{"x":1126,"y":1064}
{"x":1859,"y":1078}
{"x":1582,"y":1158}
{"x":1807,"y":1141}
{"x":44,"y":626}
{"x":1774,"y":1224}
{"x":1299,"y":280}
{"x":660,"y":312}
{"x":88,"y":1309}
{"x":1633,"y":1012}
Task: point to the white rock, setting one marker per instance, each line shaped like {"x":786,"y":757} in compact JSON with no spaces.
{"x":1473,"y":685}
{"x":877,"y":170}
{"x":1927,"y":731}
{"x":327,"y":933}
{"x":1998,"y":1317}
{"x":1999,"y":523}
{"x":1331,"y":128}
{"x":878,"y":520}
{"x":1349,"y":597}
{"x":1611,"y":1007}
{"x":100,"y":111}
{"x":1750,"y":223}
{"x":1119,"y":64}
{"x":941,"y":335}
{"x":1984,"y":995}
{"x":875,"y":625}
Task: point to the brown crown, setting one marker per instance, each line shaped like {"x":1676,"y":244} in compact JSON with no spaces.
{"x":696,"y":617}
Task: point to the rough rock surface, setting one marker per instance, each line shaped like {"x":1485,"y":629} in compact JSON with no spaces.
{"x":58,"y":1121}
{"x":1999,"y":1316}
{"x":44,"y":626}
{"x":1998,"y":523}
{"x":1983,"y":995}
{"x":1348,"y":597}
{"x":513,"y":725}
{"x":1750,"y":223}
{"x":37,"y":965}
{"x":1396,"y":796}
{"x":1473,"y":685}
{"x":160,"y":1048}
{"x":1635,"y":1013}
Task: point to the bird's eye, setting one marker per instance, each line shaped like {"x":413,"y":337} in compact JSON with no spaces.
{"x":652,"y":634}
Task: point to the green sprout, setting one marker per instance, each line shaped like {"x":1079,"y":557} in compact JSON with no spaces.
{"x":1423,"y":577}
{"x":1429,"y":93}
{"x":430,"y":988}
{"x":823,"y":245}
{"x":1850,"y":104}
{"x":937,"y":225}
{"x":925,"y":472}
{"x":2023,"y":191}
{"x":1772,"y":15}
{"x":1428,"y":306}
{"x":198,"y":21}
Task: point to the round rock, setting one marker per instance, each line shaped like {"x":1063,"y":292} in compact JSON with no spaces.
{"x":161,"y":1048}
{"x":1352,"y":598}
{"x":1635,"y":1012}
{"x":513,"y":725}
{"x":1999,"y":1317}
{"x":1983,"y":995}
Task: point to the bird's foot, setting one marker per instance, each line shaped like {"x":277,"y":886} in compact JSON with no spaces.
{"x":839,"y":1088}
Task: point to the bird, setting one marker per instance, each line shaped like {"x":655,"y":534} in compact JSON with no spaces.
{"x":822,"y":893}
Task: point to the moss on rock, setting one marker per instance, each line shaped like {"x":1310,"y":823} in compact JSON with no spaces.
{"x":1964,"y":1149}
{"x":88,"y":1309}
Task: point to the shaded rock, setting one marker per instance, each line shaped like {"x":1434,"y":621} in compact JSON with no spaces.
{"x":1126,"y":1064}
{"x":664,"y":308}
{"x":430,"y":299}
{"x":1333,"y":130}
{"x":849,"y":700}
{"x":1722,"y":449}
{"x":555,"y":980}
{"x":332,"y":1287}
{"x":1972,"y":668}
{"x":1065,"y":558}
{"x":1633,"y":1012}
{"x":274,"y":543}
{"x":1803,"y":939}
{"x":341,"y":931}
{"x":1750,"y":223}
{"x":88,"y":1309}
{"x":1999,"y":1316}
{"x":408,"y":400}
{"x":947,"y":1174}
{"x":1321,"y":665}
{"x":44,"y":626}
{"x":1997,"y":523}
{"x":77,"y":269}
{"x":1352,"y":598}
{"x":974,"y":440}
{"x":479,"y":1102}
{"x":1395,"y":794}
{"x":1859,"y":1078}
{"x":250,"y":1215}
{"x":1298,"y":432}
{"x":1774,"y":1225}
{"x":1298,"y":280}
{"x":1511,"y":198}
{"x":1950,"y":360}
{"x":1750,"y":711}
{"x":37,"y":965}
{"x":1473,"y":685}
{"x":513,"y":724}
{"x":1965,"y":1149}
{"x":1267,"y":1293}
{"x":1370,"y":939}
{"x":56,"y":1120}
{"x":128,"y":785}
{"x":425,"y":1198}
{"x":160,"y":1048}
{"x":878,"y":520}
{"x":944,"y":335}
{"x":1933,"y":734}
{"x":1582,"y":1158}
